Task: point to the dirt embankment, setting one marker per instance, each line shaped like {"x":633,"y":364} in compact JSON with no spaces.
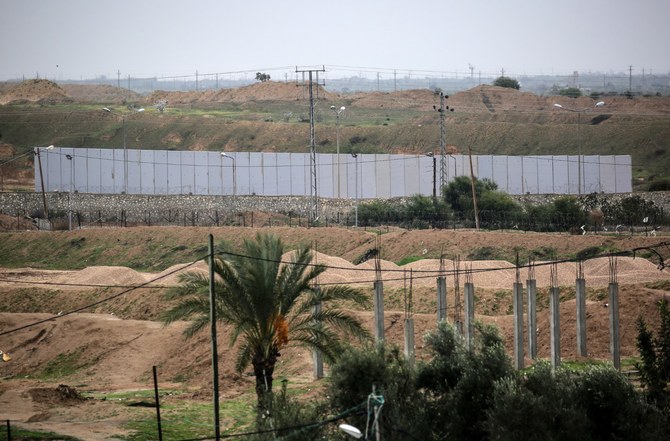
{"x":480,"y":99}
{"x":114,"y":345}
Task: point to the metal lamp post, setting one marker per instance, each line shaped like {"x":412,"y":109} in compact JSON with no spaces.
{"x":455,"y":171}
{"x":69,"y":197}
{"x":224,"y":155}
{"x":579,"y":112}
{"x":355,"y":156}
{"x":337,"y":134}
{"x":125,"y":151}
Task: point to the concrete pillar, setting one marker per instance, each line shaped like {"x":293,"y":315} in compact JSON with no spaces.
{"x":379,"y":310}
{"x":409,"y":340}
{"x":531,"y":293}
{"x":317,"y":356}
{"x":554,"y":327}
{"x":469,"y":289}
{"x":441,"y":298}
{"x":580,"y":297}
{"x":614,"y":324}
{"x":517,"y":303}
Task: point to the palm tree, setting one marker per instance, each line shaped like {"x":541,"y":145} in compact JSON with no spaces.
{"x":269,"y":304}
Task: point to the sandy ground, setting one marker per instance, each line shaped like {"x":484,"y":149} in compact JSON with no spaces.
{"x":117,"y":343}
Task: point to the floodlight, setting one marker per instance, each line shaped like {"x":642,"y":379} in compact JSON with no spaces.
{"x":350,"y":430}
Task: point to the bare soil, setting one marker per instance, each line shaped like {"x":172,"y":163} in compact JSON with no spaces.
{"x":480,"y":99}
{"x":113,"y":346}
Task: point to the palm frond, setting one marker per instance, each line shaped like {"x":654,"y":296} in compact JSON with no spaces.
{"x":343,"y":292}
{"x":244,"y":355}
{"x":196,"y":326}
{"x":189,"y":283}
{"x":323,"y":340}
{"x":186,"y":309}
{"x":267,"y":302}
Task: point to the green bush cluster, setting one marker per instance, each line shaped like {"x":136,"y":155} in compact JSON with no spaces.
{"x":461,"y":393}
{"x":419,"y":213}
{"x":498,"y":210}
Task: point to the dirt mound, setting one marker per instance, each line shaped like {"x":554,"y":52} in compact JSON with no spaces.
{"x":266,"y":91}
{"x":170,"y":276}
{"x":86,"y":93}
{"x":61,"y":395}
{"x":35,"y":91}
{"x":492,"y":99}
{"x":14,"y":223}
{"x":7,"y":150}
{"x":412,"y":99}
{"x":104,"y":275}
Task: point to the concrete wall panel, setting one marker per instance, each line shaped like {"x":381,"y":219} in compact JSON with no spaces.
{"x":275,"y":174}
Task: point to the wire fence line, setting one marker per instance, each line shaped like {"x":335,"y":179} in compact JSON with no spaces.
{"x":23,"y":219}
{"x":344,"y":78}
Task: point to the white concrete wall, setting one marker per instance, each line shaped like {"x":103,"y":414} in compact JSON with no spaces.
{"x":93,"y":170}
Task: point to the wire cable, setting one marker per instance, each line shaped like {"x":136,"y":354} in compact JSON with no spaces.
{"x":106,"y":299}
{"x":426,"y":273}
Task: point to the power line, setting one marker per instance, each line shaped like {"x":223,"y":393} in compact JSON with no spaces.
{"x":428,"y":273}
{"x":107,"y":299}
{"x":391,"y":158}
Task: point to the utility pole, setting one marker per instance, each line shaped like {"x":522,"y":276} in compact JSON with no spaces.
{"x":44,"y":198}
{"x":443,"y":144}
{"x":212,"y":325}
{"x":630,"y":78}
{"x":314,"y":194}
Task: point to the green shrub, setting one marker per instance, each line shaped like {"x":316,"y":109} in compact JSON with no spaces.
{"x":484,"y":253}
{"x":662,"y":184}
{"x":385,"y":368}
{"x":507,"y":82}
{"x":290,"y":413}
{"x":567,"y":213}
{"x":536,"y":405}
{"x":654,"y":364}
{"x":572,"y":92}
{"x":588,"y":253}
{"x":459,"y":383}
{"x":598,"y":404}
{"x":409,"y":259}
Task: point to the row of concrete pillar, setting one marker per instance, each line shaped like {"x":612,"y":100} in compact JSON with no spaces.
{"x":518,"y":312}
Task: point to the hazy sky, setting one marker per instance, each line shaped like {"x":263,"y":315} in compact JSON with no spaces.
{"x":63,"y":39}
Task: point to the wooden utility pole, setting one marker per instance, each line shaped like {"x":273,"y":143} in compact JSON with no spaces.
{"x":44,"y":197}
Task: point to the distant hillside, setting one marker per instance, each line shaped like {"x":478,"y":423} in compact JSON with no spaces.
{"x":274,"y":116}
